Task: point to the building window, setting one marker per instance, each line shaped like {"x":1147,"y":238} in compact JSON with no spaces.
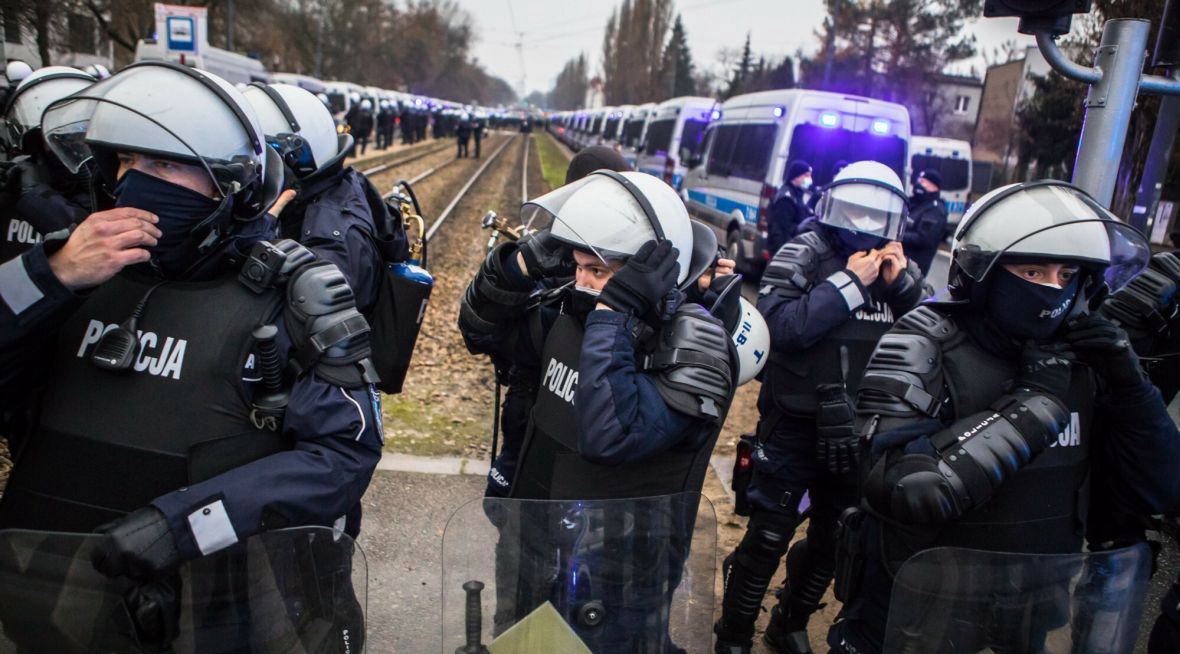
{"x":962,"y":104}
{"x":11,"y":26}
{"x":81,"y":33}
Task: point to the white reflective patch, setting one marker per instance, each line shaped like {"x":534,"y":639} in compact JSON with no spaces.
{"x":212,"y":528}
{"x":848,"y":289}
{"x":338,"y":527}
{"x":16,"y":287}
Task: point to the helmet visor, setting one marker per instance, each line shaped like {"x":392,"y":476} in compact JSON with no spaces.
{"x":1051,"y":222}
{"x":30,"y":103}
{"x":595,"y":214}
{"x":866,"y":208}
{"x":74,"y":128}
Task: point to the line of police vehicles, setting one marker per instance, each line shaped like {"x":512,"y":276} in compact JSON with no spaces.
{"x":727,"y":159}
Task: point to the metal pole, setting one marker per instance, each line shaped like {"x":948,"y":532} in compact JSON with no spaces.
{"x":1156,"y":167}
{"x":1109,"y":105}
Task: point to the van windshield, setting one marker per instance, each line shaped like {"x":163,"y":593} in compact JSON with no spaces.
{"x":337,"y":102}
{"x":631,"y":132}
{"x":822,"y":147}
{"x":955,"y":172}
{"x":659,"y":136}
{"x":692,"y":135}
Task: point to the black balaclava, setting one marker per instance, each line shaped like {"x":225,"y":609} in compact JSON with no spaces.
{"x":847,"y":242}
{"x":186,"y":218}
{"x":1025,"y":310}
{"x":595,"y":157}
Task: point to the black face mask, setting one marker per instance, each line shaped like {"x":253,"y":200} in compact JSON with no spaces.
{"x":581,"y":302}
{"x":185,"y":218}
{"x":848,"y":241}
{"x":1025,"y":310}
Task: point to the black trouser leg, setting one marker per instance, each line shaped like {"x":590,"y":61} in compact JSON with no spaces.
{"x":748,"y":571}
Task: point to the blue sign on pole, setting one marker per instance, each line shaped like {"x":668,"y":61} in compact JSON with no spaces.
{"x":182,"y":33}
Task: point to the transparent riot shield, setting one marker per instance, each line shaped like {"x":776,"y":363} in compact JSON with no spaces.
{"x":294,"y":590}
{"x":580,"y":576}
{"x":958,"y":600}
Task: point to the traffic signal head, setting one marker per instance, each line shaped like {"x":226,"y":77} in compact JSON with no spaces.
{"x":1038,"y":15}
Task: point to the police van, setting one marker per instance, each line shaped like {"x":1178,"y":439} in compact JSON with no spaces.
{"x":673,"y":136}
{"x":952,"y":159}
{"x":612,"y":130}
{"x":305,"y":82}
{"x":752,"y":137}
{"x":232,"y":67}
{"x":634,"y":130}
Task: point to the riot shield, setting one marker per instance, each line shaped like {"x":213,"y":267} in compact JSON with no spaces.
{"x":562,"y":576}
{"x":958,"y":600}
{"x":293,"y":590}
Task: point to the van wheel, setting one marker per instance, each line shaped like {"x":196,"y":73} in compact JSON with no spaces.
{"x":733,"y":246}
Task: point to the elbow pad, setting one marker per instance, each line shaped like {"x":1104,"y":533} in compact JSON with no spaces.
{"x":328,"y":334}
{"x":494,"y":294}
{"x":975,"y":456}
{"x":693,"y":364}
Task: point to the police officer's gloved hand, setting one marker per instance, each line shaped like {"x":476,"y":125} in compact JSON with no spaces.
{"x":644,"y":281}
{"x":545,"y":256}
{"x":31,"y":175}
{"x":1044,"y":369}
{"x":837,"y":445}
{"x":153,"y":610}
{"x":1106,"y":348}
{"x":139,"y":545}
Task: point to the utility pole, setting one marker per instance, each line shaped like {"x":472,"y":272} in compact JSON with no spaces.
{"x":1167,"y":55}
{"x":1115,"y":81}
{"x":519,"y":50}
{"x":319,"y":45}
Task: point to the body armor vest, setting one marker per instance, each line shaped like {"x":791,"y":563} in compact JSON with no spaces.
{"x":1042,"y":507}
{"x":550,"y":465}
{"x":791,"y":377}
{"x":107,"y":443}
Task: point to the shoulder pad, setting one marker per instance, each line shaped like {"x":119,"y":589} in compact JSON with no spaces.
{"x":817,"y":242}
{"x":329,"y":336}
{"x":1167,"y":263}
{"x":792,"y":270}
{"x":694,"y":364}
{"x":904,"y":375}
{"x":928,"y":321}
{"x":1146,"y":303}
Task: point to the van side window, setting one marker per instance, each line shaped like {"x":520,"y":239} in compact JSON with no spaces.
{"x":720,"y":158}
{"x":751,"y":157}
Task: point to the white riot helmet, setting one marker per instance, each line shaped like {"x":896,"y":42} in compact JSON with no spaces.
{"x":298,"y":126}
{"x":1042,"y":221}
{"x":17,"y":70}
{"x":35,"y":93}
{"x":167,"y":110}
{"x":354,"y":97}
{"x":751,"y":338}
{"x":613,"y":214}
{"x":366,"y":104}
{"x":867,"y":199}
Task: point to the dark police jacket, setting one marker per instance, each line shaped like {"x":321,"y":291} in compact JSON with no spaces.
{"x":611,"y":439}
{"x":925,"y":229}
{"x":814,"y":307}
{"x":25,"y":220}
{"x":175,"y":431}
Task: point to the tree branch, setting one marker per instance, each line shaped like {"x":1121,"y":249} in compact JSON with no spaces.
{"x":106,"y":26}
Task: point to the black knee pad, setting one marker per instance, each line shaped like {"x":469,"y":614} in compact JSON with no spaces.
{"x":767,"y":537}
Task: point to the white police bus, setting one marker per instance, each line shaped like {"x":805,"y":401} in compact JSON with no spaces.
{"x":753,"y":137}
{"x":673,"y":136}
{"x":634,"y":131}
{"x":952,"y":159}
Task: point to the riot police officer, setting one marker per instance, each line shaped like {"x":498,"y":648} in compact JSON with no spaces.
{"x":166,"y":414}
{"x":827,"y":296}
{"x":989,"y":410}
{"x":789,"y":207}
{"x":39,"y":195}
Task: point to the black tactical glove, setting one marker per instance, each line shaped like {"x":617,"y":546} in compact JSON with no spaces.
{"x":837,"y":445}
{"x":1105,"y":348}
{"x":153,"y":611}
{"x":545,"y":256}
{"x":644,"y":281}
{"x":139,"y":545}
{"x":1044,"y":369}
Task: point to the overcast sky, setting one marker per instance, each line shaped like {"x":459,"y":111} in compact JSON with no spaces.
{"x":556,"y":30}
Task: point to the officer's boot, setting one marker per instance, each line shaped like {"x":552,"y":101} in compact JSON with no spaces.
{"x":808,"y":577}
{"x":747,"y":573}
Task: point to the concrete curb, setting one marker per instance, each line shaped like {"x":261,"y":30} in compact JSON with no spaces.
{"x":432,"y":465}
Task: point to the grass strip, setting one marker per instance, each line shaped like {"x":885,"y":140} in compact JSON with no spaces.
{"x":553,"y":162}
